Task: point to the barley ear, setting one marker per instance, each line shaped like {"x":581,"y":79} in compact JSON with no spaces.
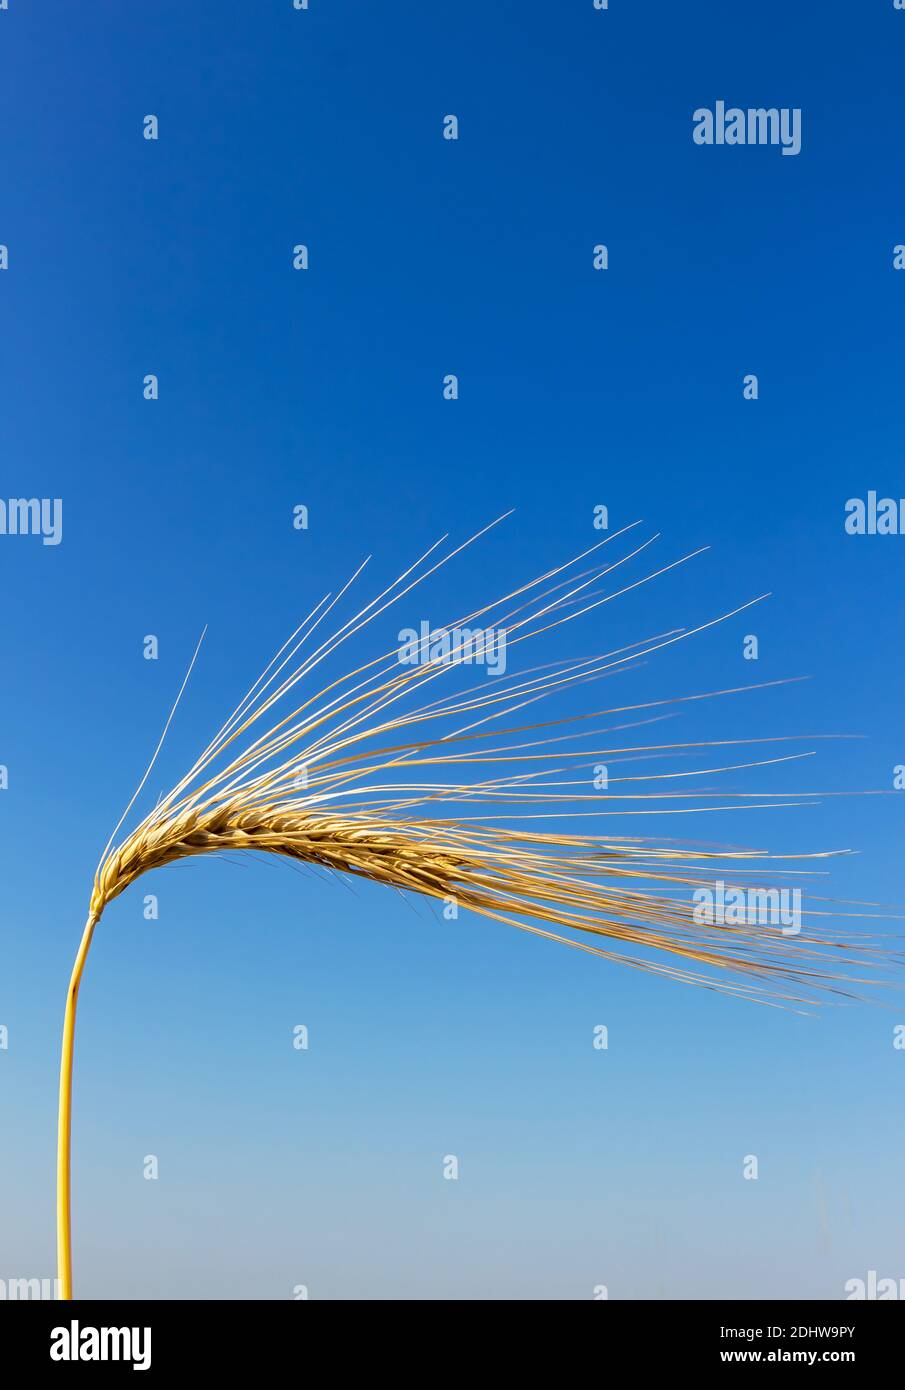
{"x":367,"y":777}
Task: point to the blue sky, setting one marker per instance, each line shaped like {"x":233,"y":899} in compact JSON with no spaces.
{"x":324,"y":388}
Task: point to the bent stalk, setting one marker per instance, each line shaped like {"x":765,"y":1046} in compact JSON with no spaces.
{"x":64,"y":1128}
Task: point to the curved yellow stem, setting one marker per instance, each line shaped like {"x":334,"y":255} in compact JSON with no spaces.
{"x":64,"y":1129}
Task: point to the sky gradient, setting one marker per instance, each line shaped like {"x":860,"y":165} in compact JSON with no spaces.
{"x":323,"y":388}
